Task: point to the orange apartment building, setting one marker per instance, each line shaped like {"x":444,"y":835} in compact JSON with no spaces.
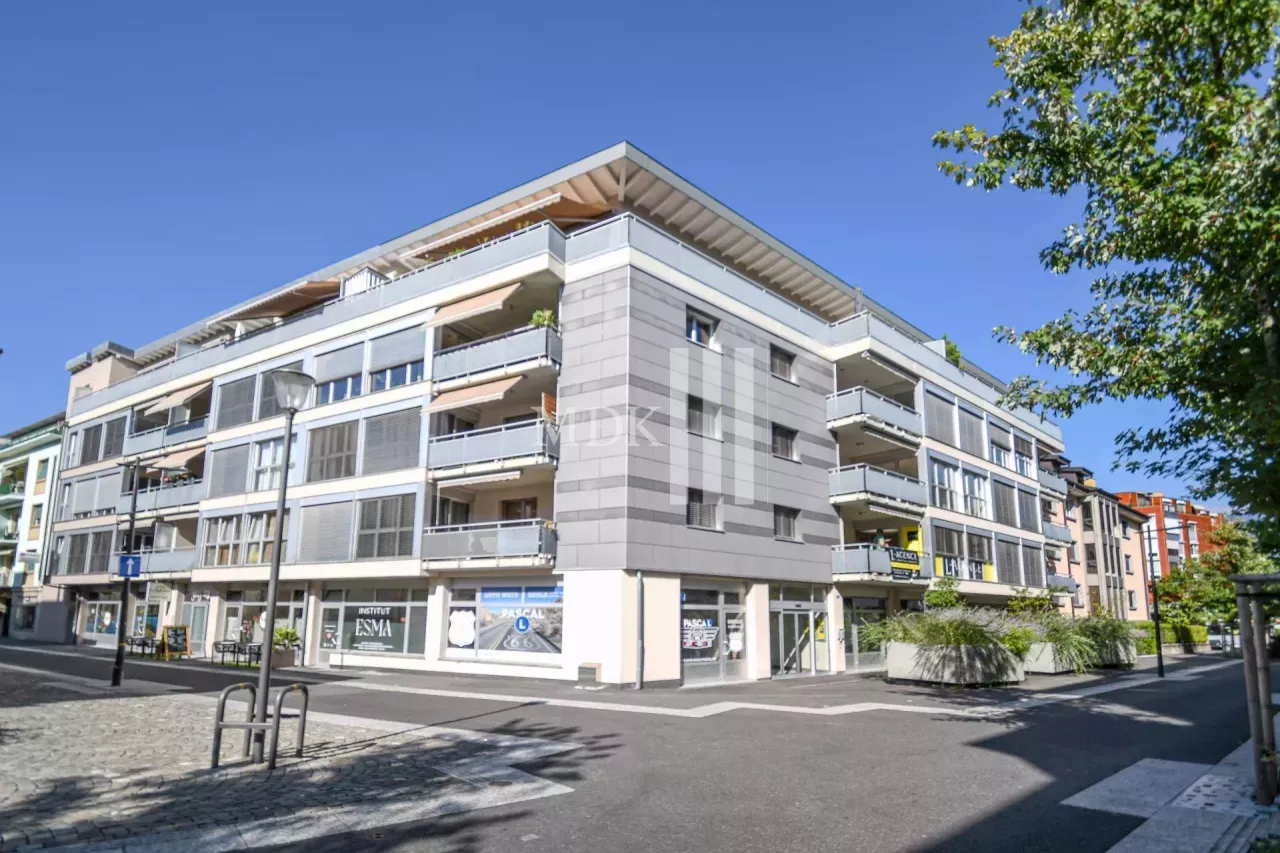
{"x":1174,"y":530}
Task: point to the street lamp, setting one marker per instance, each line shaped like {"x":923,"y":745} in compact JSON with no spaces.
{"x":292,"y":388}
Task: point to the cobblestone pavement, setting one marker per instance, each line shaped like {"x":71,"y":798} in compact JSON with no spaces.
{"x":81,"y":764}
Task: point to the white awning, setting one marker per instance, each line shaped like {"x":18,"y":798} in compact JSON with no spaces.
{"x":482,"y":304}
{"x":177,"y":398}
{"x":175,"y":460}
{"x":486,"y":393}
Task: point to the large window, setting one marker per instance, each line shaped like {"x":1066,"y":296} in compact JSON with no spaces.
{"x":221,"y":541}
{"x":978,"y":546}
{"x":701,"y":510}
{"x":703,"y":417}
{"x":1024,"y":457}
{"x":1090,"y":558}
{"x":1028,"y":516}
{"x":496,"y":621}
{"x":947,"y":546}
{"x":332,"y":453}
{"x":971,"y":433}
{"x":782,"y":364}
{"x":1004,"y":503}
{"x":339,"y":374}
{"x":379,"y":621}
{"x":267,"y":406}
{"x":230,"y":470}
{"x":91,"y":445}
{"x":975,"y":495}
{"x":396,"y":359}
{"x":1032,"y":566}
{"x":700,"y":328}
{"x":1001,"y":446}
{"x":784,"y":442}
{"x":386,"y":527}
{"x":268,"y":456}
{"x":339,"y":389}
{"x":78,"y":554}
{"x":940,"y":418}
{"x":100,"y":548}
{"x":259,"y":537}
{"x":1007,"y":568}
{"x":942,"y":482}
{"x":786,"y":522}
{"x":113,"y":438}
{"x":235,"y":402}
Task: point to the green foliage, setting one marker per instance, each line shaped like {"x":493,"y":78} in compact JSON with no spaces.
{"x":952,"y":350}
{"x":957,"y":626}
{"x":1024,"y":601}
{"x":1163,"y":117}
{"x":1199,"y":592}
{"x":1170,"y":635}
{"x":543,"y":317}
{"x":942,"y":594}
{"x":1270,"y":844}
{"x":286,"y":637}
{"x":1112,"y":637}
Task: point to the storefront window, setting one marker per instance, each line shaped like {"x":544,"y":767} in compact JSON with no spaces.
{"x":713,"y":635}
{"x":495,"y":621}
{"x":389,"y":620}
{"x":101,"y":617}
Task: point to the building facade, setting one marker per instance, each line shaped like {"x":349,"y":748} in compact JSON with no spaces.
{"x":29,"y":608}
{"x":1173,"y":530}
{"x":597,"y":426}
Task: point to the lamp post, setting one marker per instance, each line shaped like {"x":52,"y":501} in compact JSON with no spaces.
{"x":292,"y":388}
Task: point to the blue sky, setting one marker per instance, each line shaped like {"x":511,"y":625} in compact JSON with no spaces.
{"x":163,"y":161}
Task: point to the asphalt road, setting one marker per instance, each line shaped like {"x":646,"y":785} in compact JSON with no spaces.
{"x":756,"y":780}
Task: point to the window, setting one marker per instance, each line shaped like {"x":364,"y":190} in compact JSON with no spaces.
{"x":267,"y":406}
{"x":338,"y":389}
{"x":64,"y":502}
{"x":1090,"y":558}
{"x":42,"y":471}
{"x":520,"y":509}
{"x":333,"y":452}
{"x":979,"y":548}
{"x":1004,"y":503}
{"x":113,"y":438}
{"x":235,"y":402}
{"x":975,"y":494}
{"x":1032,"y":566}
{"x":392,"y":441}
{"x":91,"y":445}
{"x":703,"y":417}
{"x":971,"y":432}
{"x":942,"y":478}
{"x":1086,"y":519}
{"x":230,"y":471}
{"x":939,"y":419}
{"x":259,"y":537}
{"x":396,"y":359}
{"x":325,"y":536}
{"x":1124,"y":529}
{"x":1028,"y":517}
{"x":782,"y":364}
{"x":784,"y":441}
{"x":386,"y":528}
{"x":1073,"y":552}
{"x":1001,"y":445}
{"x":382,"y":621}
{"x":1133,"y":600}
{"x":480,"y":620}
{"x":394,"y":377}
{"x":222,"y":541}
{"x":786,"y":523}
{"x":700,"y":329}
{"x":700,"y":511}
{"x":1024,"y":457}
{"x":1000,"y":455}
{"x":72,"y":456}
{"x":100,"y":547}
{"x":947,"y":546}
{"x":450,"y":512}
{"x":1071,"y":509}
{"x":1007,"y":567}
{"x":1128,"y":564}
{"x":37,"y":516}
{"x":268,"y":456}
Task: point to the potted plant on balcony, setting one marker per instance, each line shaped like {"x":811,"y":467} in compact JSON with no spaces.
{"x":959,"y":645}
{"x":543,"y":318}
{"x":286,"y":643}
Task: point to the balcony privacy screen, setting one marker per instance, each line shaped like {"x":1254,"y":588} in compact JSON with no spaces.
{"x":230,"y":471}
{"x":113,"y":438}
{"x":971,"y":434}
{"x":1032,"y":566}
{"x":386,"y":527}
{"x":235,"y":402}
{"x":398,"y":348}
{"x":939,"y":419}
{"x":267,"y":406}
{"x":391,"y":441}
{"x":1007,"y":563}
{"x":1004,"y":503}
{"x":326,"y":533}
{"x":347,"y":361}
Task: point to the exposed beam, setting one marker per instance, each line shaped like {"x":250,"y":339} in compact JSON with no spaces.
{"x":601,"y":197}
{"x":688,"y":205}
{"x":753,"y":254}
{"x":674,"y":195}
{"x":656,"y":185}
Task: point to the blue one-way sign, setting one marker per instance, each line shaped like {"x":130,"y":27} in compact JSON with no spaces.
{"x":130,"y":566}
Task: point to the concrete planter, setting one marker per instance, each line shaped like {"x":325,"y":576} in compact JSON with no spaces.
{"x":1123,"y":653}
{"x":953,"y":664}
{"x":1043,"y":660}
{"x":281,"y":657}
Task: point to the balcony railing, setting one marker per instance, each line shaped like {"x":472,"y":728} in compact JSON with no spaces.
{"x":1052,"y":481}
{"x":15,"y":489}
{"x":494,"y":540}
{"x":860,"y":559}
{"x":156,"y":562}
{"x":494,"y":444}
{"x":8,"y":532}
{"x":1056,"y":532}
{"x":523,"y":345}
{"x":154,"y":439}
{"x":543,"y":238}
{"x":162,"y":497}
{"x":856,"y":479}
{"x":864,"y":401}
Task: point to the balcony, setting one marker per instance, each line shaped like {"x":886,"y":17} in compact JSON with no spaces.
{"x":532,"y":242}
{"x":861,"y":404}
{"x":1051,"y":482}
{"x":163,"y":562}
{"x":495,"y":448}
{"x":490,"y":544}
{"x":154,"y":439}
{"x":867,"y":559}
{"x":1056,"y":532}
{"x":8,"y":533}
{"x":163,"y":497}
{"x":509,"y":353}
{"x":12,"y":493}
{"x":865,"y":482}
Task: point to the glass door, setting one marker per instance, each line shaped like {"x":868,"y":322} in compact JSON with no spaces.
{"x":195,"y":615}
{"x":793,"y":645}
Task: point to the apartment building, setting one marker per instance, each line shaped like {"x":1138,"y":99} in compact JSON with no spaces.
{"x":599,"y":425}
{"x":1174,"y":530}
{"x":1101,"y":549}
{"x":28,"y":468}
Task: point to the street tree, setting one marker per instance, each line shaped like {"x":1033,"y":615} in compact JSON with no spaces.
{"x":1199,"y":592}
{"x":1163,"y":117}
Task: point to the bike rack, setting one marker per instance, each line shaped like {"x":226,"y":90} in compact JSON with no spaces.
{"x":302,"y":721}
{"x":219,"y":723}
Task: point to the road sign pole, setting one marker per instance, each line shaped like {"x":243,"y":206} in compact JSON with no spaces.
{"x":117,"y":670}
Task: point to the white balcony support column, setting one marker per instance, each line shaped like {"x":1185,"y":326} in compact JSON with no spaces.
{"x":437,"y":618}
{"x":835,"y":630}
{"x":759,"y":632}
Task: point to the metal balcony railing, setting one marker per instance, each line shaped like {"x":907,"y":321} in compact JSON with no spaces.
{"x":491,"y":540}
{"x":1052,"y":481}
{"x":859,"y":559}
{"x":162,"y":497}
{"x":154,"y":439}
{"x":156,"y":562}
{"x":494,"y":444}
{"x":864,"y":401}
{"x":522,"y":345}
{"x":1056,"y":532}
{"x":15,"y":489}
{"x":855,"y":479}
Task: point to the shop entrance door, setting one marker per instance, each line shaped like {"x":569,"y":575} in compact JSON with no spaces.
{"x":799,"y":642}
{"x":195,"y":615}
